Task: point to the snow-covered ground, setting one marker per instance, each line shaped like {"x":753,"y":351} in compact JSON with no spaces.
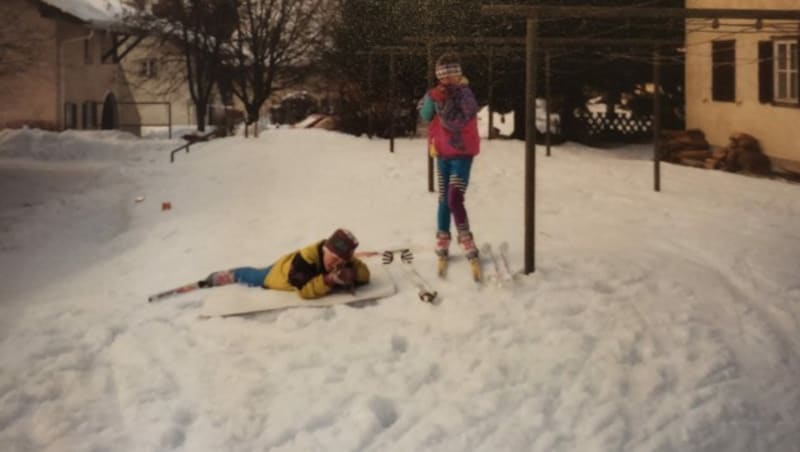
{"x":654,"y":321}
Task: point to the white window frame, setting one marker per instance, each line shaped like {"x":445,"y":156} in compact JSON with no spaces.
{"x":148,"y":68}
{"x":786,"y":71}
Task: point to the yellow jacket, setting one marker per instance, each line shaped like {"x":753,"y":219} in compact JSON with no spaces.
{"x":303,"y":271}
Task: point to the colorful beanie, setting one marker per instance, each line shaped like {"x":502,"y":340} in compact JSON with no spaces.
{"x":445,"y":70}
{"x":342,"y":243}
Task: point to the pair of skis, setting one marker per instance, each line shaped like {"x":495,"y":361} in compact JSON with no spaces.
{"x":474,"y":266}
{"x":502,"y":274}
{"x":203,"y":284}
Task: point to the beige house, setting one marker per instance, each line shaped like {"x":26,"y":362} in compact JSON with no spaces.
{"x":742,"y":76}
{"x":85,"y":74}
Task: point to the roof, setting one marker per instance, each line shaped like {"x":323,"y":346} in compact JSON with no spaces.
{"x":95,"y":12}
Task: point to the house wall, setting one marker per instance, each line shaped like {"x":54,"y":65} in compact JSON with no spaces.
{"x":29,"y":96}
{"x":85,"y":77}
{"x":166,"y":86}
{"x":65,"y":70}
{"x":776,"y":127}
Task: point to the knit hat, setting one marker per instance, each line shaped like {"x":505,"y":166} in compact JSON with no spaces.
{"x":342,"y":243}
{"x":446,"y":70}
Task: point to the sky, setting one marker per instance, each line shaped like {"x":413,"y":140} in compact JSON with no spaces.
{"x":653,"y":322}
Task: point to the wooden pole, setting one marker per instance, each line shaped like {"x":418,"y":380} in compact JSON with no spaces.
{"x":370,"y":113}
{"x":490,"y":93}
{"x":391,"y":102}
{"x":169,"y":118}
{"x":547,"y":100}
{"x":530,"y":144}
{"x":656,"y":119}
{"x":431,"y":78}
{"x":640,"y":12}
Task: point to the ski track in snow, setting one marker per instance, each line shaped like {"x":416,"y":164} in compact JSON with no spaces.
{"x":637,"y":332}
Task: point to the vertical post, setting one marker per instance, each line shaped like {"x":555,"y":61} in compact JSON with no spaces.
{"x":370,"y":112}
{"x":431,"y":77}
{"x":547,"y":100}
{"x":490,"y":92}
{"x":169,"y":118}
{"x":656,"y":119}
{"x":530,"y":143}
{"x":391,"y":101}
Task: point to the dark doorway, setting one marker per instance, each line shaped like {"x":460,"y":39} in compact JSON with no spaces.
{"x":110,"y":113}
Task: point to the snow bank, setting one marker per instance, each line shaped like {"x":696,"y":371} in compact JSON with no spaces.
{"x":70,"y":145}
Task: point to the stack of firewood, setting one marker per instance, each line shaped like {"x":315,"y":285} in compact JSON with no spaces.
{"x":742,"y":154}
{"x":688,"y":147}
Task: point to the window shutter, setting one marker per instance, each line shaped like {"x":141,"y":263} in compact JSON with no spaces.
{"x":723,"y":71}
{"x":765,"y":72}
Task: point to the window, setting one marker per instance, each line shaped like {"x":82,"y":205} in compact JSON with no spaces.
{"x":148,"y":68}
{"x":723,"y":71}
{"x":766,"y":80}
{"x":87,"y":51}
{"x":70,"y":115}
{"x":786,"y":71}
{"x":89,"y":114}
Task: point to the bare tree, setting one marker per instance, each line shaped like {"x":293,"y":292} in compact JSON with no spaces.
{"x":199,"y":31}
{"x":275,"y":43}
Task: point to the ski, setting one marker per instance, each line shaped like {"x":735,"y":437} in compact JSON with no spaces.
{"x":425,"y":291}
{"x":178,"y":290}
{"x":506,"y":274}
{"x":441,"y":264}
{"x":495,"y":277}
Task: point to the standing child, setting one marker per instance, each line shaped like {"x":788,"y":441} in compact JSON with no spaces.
{"x":453,"y":140}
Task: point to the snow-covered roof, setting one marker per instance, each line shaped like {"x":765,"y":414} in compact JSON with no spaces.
{"x":96,"y":12}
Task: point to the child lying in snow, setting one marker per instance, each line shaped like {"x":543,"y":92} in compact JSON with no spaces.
{"x":313,"y":271}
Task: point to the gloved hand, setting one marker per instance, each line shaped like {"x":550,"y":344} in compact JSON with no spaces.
{"x":342,"y":277}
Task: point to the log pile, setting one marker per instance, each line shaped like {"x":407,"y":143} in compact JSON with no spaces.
{"x":743,"y":153}
{"x":687,"y":147}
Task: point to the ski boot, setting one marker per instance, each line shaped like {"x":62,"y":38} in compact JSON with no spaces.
{"x":467,"y":243}
{"x":220,"y":278}
{"x":442,"y":251}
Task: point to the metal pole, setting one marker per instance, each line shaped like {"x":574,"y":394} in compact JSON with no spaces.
{"x":530,"y":144}
{"x":169,"y":118}
{"x":430,"y":85}
{"x":490,"y":93}
{"x":547,"y":100}
{"x":370,"y":113}
{"x":391,"y":102}
{"x":656,"y":119}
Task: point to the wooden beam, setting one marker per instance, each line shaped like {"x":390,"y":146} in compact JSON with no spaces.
{"x":113,"y":51}
{"x":542,"y":42}
{"x":130,"y":47}
{"x":630,"y":12}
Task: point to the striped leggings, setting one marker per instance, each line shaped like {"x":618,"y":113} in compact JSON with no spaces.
{"x":453,"y":178}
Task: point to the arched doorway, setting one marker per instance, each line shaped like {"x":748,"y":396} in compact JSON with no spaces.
{"x":110,"y":113}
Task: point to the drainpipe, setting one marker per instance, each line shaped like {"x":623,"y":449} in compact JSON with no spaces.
{"x":61,"y":83}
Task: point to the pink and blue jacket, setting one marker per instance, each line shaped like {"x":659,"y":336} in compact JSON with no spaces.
{"x":453,"y":114}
